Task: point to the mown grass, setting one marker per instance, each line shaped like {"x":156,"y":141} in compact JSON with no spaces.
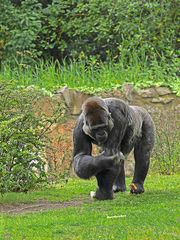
{"x":93,"y":77}
{"x":152,"y":215}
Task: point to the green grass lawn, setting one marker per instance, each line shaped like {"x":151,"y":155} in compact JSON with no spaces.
{"x":152,"y":215}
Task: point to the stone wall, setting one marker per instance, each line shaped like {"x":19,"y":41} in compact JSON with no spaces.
{"x":156,"y":100}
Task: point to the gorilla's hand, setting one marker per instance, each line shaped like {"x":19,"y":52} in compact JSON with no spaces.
{"x":117,"y":156}
{"x":109,"y":159}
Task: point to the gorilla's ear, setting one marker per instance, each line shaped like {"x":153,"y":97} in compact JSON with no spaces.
{"x":110,"y":122}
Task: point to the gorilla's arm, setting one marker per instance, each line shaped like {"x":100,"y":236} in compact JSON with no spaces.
{"x":85,"y":165}
{"x":122,"y":118}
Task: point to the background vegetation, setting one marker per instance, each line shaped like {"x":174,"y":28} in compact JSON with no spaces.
{"x":73,"y":29}
{"x":138,"y":41}
{"x":166,"y":157}
{"x":23,"y":138}
{"x":98,"y":76}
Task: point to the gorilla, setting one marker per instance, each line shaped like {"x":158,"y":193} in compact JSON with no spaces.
{"x":117,"y":128}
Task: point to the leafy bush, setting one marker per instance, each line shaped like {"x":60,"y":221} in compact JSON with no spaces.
{"x":20,"y":25}
{"x":62,"y":28}
{"x":22,"y":138}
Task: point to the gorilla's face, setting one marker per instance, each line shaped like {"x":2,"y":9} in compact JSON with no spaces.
{"x":98,"y":125}
{"x":100,"y":133}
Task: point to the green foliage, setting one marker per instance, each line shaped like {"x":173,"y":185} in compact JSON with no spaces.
{"x":22,"y":138}
{"x":95,"y":77}
{"x":67,"y":29}
{"x":20,"y":25}
{"x":137,"y":41}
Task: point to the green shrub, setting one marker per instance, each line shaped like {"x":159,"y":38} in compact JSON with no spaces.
{"x":67,"y":29}
{"x":22,"y":138}
{"x":19,"y":28}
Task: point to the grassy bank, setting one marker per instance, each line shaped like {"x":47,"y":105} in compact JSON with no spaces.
{"x":153,"y":215}
{"x":93,"y":76}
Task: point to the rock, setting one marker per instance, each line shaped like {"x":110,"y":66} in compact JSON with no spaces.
{"x":177,"y":109}
{"x":162,"y":100}
{"x":147,"y":93}
{"x":128,"y":90}
{"x":163,"y":91}
{"x":69,"y":97}
{"x":73,"y":99}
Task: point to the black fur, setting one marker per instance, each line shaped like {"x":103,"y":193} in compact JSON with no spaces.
{"x":117,"y":128}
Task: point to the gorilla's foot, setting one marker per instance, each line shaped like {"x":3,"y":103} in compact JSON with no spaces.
{"x":119,"y":188}
{"x":136,"y":188}
{"x":101,"y":195}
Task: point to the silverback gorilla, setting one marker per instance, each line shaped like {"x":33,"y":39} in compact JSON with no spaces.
{"x":117,"y":128}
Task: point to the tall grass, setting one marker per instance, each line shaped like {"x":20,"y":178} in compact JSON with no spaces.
{"x":93,"y":76}
{"x":166,"y":157}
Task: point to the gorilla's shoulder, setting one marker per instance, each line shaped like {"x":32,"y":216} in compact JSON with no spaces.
{"x":115,"y":104}
{"x":114,"y":100}
{"x":119,"y":103}
{"x":140,"y":110}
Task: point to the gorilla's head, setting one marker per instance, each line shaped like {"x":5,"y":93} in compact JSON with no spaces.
{"x":97,"y":119}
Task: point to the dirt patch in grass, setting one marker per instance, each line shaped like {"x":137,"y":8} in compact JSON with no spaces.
{"x":38,"y":206}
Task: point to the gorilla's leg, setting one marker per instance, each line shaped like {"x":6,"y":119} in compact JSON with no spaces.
{"x":119,"y":183}
{"x":142,"y":158}
{"x":107,"y":176}
{"x":142,"y":153}
{"x":105,"y":180}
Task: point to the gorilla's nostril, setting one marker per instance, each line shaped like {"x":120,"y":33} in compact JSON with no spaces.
{"x":101,"y":137}
{"x":101,"y":134}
